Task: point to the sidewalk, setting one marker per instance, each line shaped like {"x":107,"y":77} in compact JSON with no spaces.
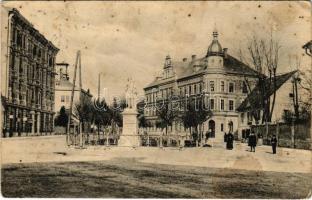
{"x":54,"y":149}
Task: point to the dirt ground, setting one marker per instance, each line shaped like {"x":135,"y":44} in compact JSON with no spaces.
{"x":46,"y":167}
{"x":128,"y":178}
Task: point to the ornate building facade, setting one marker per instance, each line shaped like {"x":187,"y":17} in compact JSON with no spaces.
{"x":27,"y":72}
{"x":223,"y":80}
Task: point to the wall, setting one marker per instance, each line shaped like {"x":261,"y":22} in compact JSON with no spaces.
{"x":300,"y":139}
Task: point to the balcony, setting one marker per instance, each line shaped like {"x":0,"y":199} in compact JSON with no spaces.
{"x":14,"y":74}
{"x":15,"y":100}
{"x":23,"y":102}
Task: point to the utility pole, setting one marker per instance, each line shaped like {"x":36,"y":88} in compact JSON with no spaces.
{"x":78,"y":60}
{"x":99,"y":101}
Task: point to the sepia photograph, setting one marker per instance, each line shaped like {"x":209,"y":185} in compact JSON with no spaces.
{"x":156,"y":99}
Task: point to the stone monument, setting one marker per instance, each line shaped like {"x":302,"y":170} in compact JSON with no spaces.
{"x":129,"y":136}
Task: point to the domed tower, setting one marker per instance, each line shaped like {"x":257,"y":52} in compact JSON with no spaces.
{"x":215,"y":52}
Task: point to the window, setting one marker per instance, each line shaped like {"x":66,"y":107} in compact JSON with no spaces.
{"x":212,"y":87}
{"x":222,"y":86}
{"x":221,"y":127}
{"x":185,"y":91}
{"x":67,"y":98}
{"x":242,"y":117}
{"x":211,"y":104}
{"x":249,"y":117}
{"x":62,"y":98}
{"x":195,"y":89}
{"x":190,"y":89}
{"x":222,"y":104}
{"x":231,"y":105}
{"x":231,"y":87}
{"x":245,"y":89}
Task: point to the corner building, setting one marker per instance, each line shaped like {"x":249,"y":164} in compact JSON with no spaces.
{"x":27,"y":72}
{"x":223,"y":79}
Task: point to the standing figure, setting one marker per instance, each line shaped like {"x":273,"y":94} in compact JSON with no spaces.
{"x":225,"y":137}
{"x":131,"y":94}
{"x":274,"y":143}
{"x":206,"y":136}
{"x":252,"y":141}
{"x":229,"y":141}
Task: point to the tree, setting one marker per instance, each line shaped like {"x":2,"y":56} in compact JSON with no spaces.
{"x":166,"y":113}
{"x":83,"y":111}
{"x":142,"y":120}
{"x":195,"y":114}
{"x":62,"y":118}
{"x":306,"y":83}
{"x":115,"y":113}
{"x":303,"y":113}
{"x":100,"y":114}
{"x":264,"y":56}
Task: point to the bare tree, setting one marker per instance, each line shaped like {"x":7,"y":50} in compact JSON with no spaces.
{"x":264,"y":55}
{"x":306,"y":84}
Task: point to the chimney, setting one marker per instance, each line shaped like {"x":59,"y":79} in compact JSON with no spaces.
{"x":193,"y":57}
{"x":184,"y":59}
{"x":225,"y":52}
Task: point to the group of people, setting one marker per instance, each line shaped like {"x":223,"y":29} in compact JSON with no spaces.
{"x":252,"y":141}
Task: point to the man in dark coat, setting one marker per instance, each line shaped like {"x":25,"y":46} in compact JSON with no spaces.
{"x":229,"y":141}
{"x":207,"y":136}
{"x":252,"y":142}
{"x":274,"y":143}
{"x":225,"y":137}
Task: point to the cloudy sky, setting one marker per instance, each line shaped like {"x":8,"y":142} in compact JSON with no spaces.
{"x":131,"y":39}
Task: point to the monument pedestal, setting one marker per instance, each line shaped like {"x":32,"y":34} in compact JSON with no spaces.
{"x":129,"y":136}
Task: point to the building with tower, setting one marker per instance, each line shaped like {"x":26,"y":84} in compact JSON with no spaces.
{"x":223,"y":80}
{"x":63,"y":88}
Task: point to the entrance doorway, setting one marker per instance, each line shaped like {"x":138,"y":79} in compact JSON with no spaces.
{"x":231,"y":126}
{"x":212,"y":128}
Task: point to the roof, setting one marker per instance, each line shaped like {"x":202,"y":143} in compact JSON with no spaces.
{"x":252,"y":102}
{"x":186,"y":69}
{"x":66,"y":85}
{"x":32,"y":29}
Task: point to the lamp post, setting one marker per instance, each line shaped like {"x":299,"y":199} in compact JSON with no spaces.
{"x":11,"y":124}
{"x":25,"y":126}
{"x":308,"y":50}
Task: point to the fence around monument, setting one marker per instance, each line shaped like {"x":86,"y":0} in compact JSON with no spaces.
{"x":146,"y":138}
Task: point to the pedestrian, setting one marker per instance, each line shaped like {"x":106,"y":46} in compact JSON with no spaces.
{"x":252,"y":142}
{"x":225,"y":137}
{"x":274,"y":143}
{"x":229,"y":141}
{"x":207,"y":136}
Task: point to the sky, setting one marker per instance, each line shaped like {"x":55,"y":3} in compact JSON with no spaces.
{"x":131,"y":39}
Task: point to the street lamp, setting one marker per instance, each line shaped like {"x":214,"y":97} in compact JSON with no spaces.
{"x":25,"y":126}
{"x":11,"y":124}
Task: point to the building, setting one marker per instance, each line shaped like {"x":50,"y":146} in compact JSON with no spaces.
{"x":224,"y":80}
{"x":286,"y":95}
{"x":63,"y":88}
{"x":27,"y":77}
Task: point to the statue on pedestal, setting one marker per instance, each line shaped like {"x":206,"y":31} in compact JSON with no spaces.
{"x":129,"y":136}
{"x":131,"y":94}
